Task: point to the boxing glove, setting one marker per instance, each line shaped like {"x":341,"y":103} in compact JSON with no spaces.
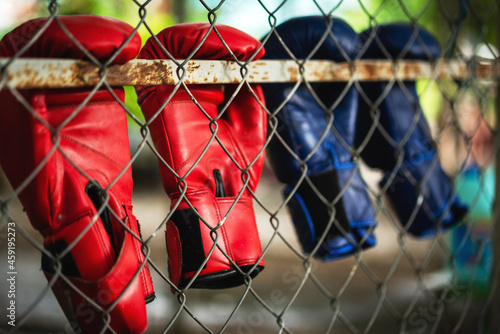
{"x":401,"y":145}
{"x":313,"y":155}
{"x":210,"y":141}
{"x":66,"y":152}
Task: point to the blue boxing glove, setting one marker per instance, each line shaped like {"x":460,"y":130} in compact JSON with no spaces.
{"x":330,"y":208}
{"x":401,"y":145}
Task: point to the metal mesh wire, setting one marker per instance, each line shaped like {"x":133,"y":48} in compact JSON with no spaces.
{"x":403,"y":284}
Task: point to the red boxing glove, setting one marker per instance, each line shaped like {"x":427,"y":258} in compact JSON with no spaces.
{"x":181,"y":131}
{"x":79,"y":200}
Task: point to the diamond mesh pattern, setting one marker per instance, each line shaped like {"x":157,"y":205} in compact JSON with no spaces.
{"x":403,"y":284}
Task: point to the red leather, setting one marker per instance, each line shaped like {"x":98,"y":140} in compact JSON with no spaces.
{"x":180,"y":41}
{"x":181,"y":132}
{"x":70,"y":149}
{"x":239,"y":237}
{"x":100,"y":36}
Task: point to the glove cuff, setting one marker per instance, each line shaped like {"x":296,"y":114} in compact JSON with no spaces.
{"x":190,"y":242}
{"x":310,"y":215}
{"x":440,"y":209}
{"x":104,"y":281}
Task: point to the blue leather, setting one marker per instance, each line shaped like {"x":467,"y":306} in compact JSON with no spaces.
{"x":419,"y":172}
{"x":324,"y":156}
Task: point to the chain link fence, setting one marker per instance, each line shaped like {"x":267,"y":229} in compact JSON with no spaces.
{"x":297,"y":167}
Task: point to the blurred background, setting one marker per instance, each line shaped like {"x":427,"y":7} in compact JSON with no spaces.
{"x":440,"y":285}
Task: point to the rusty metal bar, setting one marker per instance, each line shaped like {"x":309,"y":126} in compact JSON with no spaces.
{"x":54,"y":73}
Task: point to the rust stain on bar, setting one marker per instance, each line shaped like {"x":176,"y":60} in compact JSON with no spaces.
{"x":147,"y":73}
{"x":293,"y":73}
{"x":47,"y":76}
{"x":81,"y":73}
{"x":409,"y":69}
{"x":488,"y":70}
{"x":28,"y":77}
{"x":366,"y":71}
{"x":192,"y":66}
